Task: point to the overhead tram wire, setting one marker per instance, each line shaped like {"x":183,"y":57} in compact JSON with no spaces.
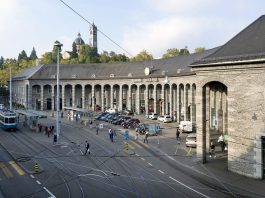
{"x":97,"y":28}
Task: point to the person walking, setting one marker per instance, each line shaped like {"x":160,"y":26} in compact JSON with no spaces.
{"x":212,"y":150}
{"x":146,"y":137}
{"x":111,"y":135}
{"x":177,"y":134}
{"x":221,"y":142}
{"x":87,"y":148}
{"x":97,"y":128}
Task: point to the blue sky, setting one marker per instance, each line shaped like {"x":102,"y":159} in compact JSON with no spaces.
{"x":153,"y":25}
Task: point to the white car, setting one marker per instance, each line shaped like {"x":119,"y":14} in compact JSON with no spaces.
{"x":185,"y":126}
{"x":111,"y":110}
{"x":161,"y":118}
{"x":191,"y":140}
{"x":153,"y":116}
{"x":167,"y":119}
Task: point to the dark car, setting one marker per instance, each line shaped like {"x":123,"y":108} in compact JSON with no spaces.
{"x":121,"y":120}
{"x":97,"y":117}
{"x":141,"y":128}
{"x":131,"y":123}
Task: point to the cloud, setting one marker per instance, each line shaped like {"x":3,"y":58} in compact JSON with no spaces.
{"x":158,"y":36}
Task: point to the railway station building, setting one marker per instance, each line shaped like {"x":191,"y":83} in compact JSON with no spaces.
{"x":221,"y":90}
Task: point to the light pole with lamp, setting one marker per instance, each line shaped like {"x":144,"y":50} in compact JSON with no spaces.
{"x":58,"y":45}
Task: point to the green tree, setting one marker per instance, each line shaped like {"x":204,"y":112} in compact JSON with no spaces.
{"x":142,"y":56}
{"x":74,"y":51}
{"x":1,"y":62}
{"x":33,"y":54}
{"x":199,"y":49}
{"x":47,"y":58}
{"x":22,"y":55}
{"x":104,"y":57}
{"x":184,"y":51}
{"x":172,"y":52}
{"x":88,"y":54}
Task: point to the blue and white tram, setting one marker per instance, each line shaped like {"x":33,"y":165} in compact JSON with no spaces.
{"x":8,"y":120}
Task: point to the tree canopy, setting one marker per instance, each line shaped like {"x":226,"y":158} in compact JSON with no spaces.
{"x":142,"y":56}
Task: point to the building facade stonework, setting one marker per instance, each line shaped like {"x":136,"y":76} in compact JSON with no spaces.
{"x":220,"y":90}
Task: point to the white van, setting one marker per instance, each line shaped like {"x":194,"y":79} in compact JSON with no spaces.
{"x":191,"y":140}
{"x":185,"y":126}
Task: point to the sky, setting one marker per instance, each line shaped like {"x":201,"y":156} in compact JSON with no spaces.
{"x":151,"y":25}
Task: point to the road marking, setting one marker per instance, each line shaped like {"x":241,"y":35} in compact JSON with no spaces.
{"x":17,"y":168}
{"x":7,"y":172}
{"x":137,"y":155}
{"x":144,"y":145}
{"x":32,"y":176}
{"x":188,"y":187}
{"x":150,"y":164}
{"x":161,"y":171}
{"x":38,"y":182}
{"x":142,"y":158}
{"x":52,"y":195}
{"x":136,"y":145}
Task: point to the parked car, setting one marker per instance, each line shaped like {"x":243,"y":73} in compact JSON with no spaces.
{"x":167,"y":119}
{"x":153,"y":116}
{"x":111,"y":110}
{"x":121,"y":120}
{"x":141,"y":128}
{"x":185,"y":126}
{"x":191,"y":140}
{"x":160,"y":118}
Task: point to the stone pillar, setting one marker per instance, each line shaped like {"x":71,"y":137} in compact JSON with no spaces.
{"x":93,"y":97}
{"x":111,"y":96}
{"x":146,"y":99}
{"x":83,"y":96}
{"x":52,"y":98}
{"x":163,"y":100}
{"x":137,"y":100}
{"x":179,"y":100}
{"x":129,"y":95}
{"x":73,"y":96}
{"x":120,"y":99}
{"x":170,"y":101}
{"x":41,"y":98}
{"x":102,"y":99}
{"x":191,"y":104}
{"x":185,"y":103}
{"x":155,"y":99}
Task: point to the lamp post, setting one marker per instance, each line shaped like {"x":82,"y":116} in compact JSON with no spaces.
{"x":58,"y":45}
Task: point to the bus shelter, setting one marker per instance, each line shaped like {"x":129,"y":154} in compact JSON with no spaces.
{"x":28,"y":118}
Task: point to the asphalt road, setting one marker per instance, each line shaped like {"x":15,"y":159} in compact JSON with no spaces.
{"x":160,"y":168}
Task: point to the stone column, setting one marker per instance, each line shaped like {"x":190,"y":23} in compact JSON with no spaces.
{"x":163,"y":100}
{"x":170,"y":101}
{"x":179,"y":100}
{"x":191,"y":104}
{"x":155,"y":99}
{"x":93,"y":97}
{"x":129,"y":95}
{"x":120,"y":98}
{"x":52,"y":98}
{"x":41,"y":98}
{"x":146,"y":99}
{"x":102,"y":99}
{"x":83,"y":96}
{"x":137,"y":99}
{"x":111,"y":96}
{"x":185,"y":103}
{"x":73,"y":96}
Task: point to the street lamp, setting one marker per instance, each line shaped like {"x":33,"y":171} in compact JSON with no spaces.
{"x":58,"y":45}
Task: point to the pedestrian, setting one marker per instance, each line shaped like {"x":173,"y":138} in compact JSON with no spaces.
{"x":54,"y":138}
{"x":46,"y":130}
{"x":136,"y":135}
{"x":87,"y":148}
{"x":146,"y":137}
{"x":177,"y":133}
{"x":221,"y":142}
{"x":111,"y":135}
{"x":40,"y":128}
{"x":212,"y":150}
{"x":90,"y":124}
{"x":97,"y":128}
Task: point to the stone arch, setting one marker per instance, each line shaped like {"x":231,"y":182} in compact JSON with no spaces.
{"x":78,"y":96}
{"x":214,"y":113}
{"x":88,"y":96}
{"x":97,"y":97}
{"x":36,"y":97}
{"x":68,"y":99}
{"x":134,"y":96}
{"x":159,"y":99}
{"x":106,"y":95}
{"x":47,"y":97}
{"x":150,"y":97}
{"x":125,"y":96}
{"x":181,"y":102}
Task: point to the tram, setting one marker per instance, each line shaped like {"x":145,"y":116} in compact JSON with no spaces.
{"x":8,"y":120}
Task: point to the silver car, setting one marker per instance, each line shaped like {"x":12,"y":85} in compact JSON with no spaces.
{"x":191,"y":140}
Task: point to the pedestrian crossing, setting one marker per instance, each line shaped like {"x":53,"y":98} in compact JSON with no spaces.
{"x":134,"y":145}
{"x":10,"y":169}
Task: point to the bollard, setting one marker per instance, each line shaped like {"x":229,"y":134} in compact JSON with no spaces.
{"x":36,"y":168}
{"x":126,"y":146}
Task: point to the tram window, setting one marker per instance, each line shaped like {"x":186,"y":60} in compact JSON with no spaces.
{"x":6,"y":120}
{"x":11,"y":120}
